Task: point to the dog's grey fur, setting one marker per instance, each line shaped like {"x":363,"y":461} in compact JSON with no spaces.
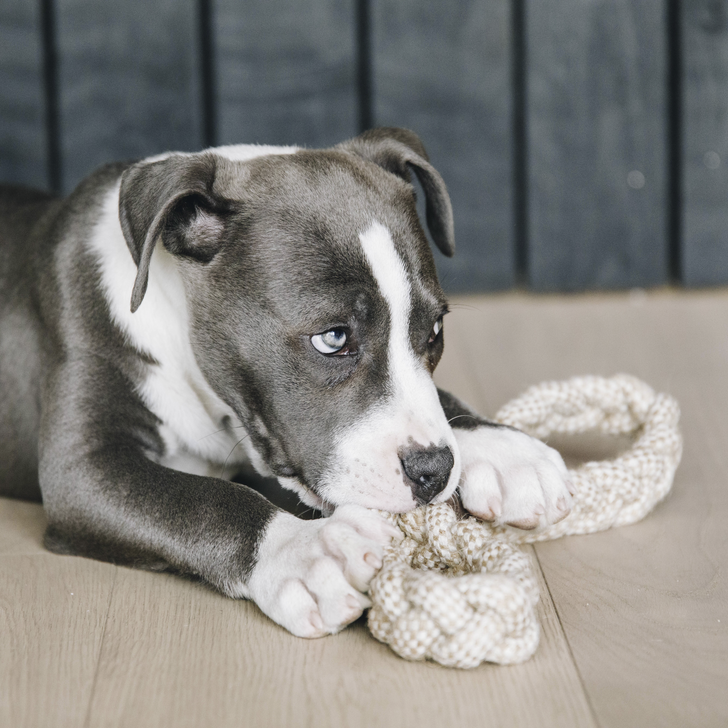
{"x":268,"y":251}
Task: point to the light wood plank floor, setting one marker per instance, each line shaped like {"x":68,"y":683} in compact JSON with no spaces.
{"x":635,"y":620}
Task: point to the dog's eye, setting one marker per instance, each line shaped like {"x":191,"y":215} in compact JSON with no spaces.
{"x":436,"y":329}
{"x":330,"y":342}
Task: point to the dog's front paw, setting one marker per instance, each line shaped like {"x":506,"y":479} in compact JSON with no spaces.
{"x":511,"y":478}
{"x":311,"y":577}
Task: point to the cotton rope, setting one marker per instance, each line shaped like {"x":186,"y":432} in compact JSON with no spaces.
{"x":460,"y":591}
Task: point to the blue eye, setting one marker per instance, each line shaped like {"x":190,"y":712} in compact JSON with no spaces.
{"x":436,"y":329}
{"x":330,"y":342}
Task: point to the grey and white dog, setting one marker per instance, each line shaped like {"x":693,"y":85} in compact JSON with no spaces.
{"x":176,"y":317}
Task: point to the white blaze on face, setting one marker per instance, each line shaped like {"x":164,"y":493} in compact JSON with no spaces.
{"x":366,"y":467}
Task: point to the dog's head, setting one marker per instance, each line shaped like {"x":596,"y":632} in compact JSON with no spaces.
{"x":315,"y":309}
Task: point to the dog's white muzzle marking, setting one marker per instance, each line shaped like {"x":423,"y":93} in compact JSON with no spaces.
{"x":367,"y":469}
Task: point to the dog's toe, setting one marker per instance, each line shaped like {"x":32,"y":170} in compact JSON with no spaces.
{"x":481,"y":493}
{"x":312,"y":576}
{"x":511,"y":478}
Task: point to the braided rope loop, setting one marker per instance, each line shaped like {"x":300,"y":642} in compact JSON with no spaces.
{"x":609,"y":492}
{"x":461,"y":592}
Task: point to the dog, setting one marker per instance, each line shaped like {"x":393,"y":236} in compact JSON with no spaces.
{"x":180,"y":316}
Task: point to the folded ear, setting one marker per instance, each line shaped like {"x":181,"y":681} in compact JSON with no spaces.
{"x":172,"y":199}
{"x":398,"y":150}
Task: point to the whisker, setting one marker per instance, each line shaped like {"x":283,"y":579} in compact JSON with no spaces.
{"x":467,"y":306}
{"x":204,"y":437}
{"x":308,"y":510}
{"x":224,"y":465}
{"x":222,"y":429}
{"x":475,"y":417}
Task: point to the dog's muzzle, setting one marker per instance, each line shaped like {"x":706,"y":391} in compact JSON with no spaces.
{"x":428,"y":470}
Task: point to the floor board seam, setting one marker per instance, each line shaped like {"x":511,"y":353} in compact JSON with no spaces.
{"x":86,"y":722}
{"x":566,"y":640}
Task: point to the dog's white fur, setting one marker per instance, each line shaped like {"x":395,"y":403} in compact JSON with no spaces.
{"x":175,"y":390}
{"x":312,"y":576}
{"x":509,"y":477}
{"x":200,"y":432}
{"x":366,"y":461}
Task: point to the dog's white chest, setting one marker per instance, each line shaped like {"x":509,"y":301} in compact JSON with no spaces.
{"x":201,"y":433}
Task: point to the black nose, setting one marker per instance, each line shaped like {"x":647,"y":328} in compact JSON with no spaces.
{"x":428,"y":469}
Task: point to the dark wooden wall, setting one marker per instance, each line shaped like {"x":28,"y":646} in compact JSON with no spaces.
{"x":584,"y":142}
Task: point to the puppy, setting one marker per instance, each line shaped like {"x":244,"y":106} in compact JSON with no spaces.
{"x":176,"y":318}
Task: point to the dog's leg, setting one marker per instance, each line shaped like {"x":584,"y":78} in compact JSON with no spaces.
{"x":106,"y":498}
{"x":508,"y":477}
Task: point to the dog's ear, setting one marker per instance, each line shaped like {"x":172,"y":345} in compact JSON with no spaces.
{"x":398,"y":150}
{"x":172,"y":199}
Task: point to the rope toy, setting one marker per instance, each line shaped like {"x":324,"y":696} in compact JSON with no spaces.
{"x":460,"y":591}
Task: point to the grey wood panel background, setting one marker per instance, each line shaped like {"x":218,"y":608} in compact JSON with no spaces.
{"x":444,"y":70}
{"x":597,"y":143}
{"x":554,"y":122}
{"x":705,"y":142}
{"x":23,"y":148}
{"x":128,"y":81}
{"x":286,"y":71}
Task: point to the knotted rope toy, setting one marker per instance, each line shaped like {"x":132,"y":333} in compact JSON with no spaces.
{"x":460,"y":591}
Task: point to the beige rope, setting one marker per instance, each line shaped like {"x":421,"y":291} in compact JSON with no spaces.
{"x":459,"y":591}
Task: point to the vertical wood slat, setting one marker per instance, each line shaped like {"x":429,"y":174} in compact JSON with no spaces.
{"x":595,"y":104}
{"x":704,"y":253}
{"x":597,"y":143}
{"x":23,"y":148}
{"x":286,"y":71}
{"x":129,"y":81}
{"x":444,"y":70}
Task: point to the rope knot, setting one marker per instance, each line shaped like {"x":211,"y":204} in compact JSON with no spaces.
{"x":461,"y":592}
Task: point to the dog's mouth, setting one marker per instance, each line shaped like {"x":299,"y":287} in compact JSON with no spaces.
{"x":307,"y":494}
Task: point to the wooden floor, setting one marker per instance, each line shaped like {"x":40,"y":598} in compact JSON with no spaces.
{"x":635,"y":620}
